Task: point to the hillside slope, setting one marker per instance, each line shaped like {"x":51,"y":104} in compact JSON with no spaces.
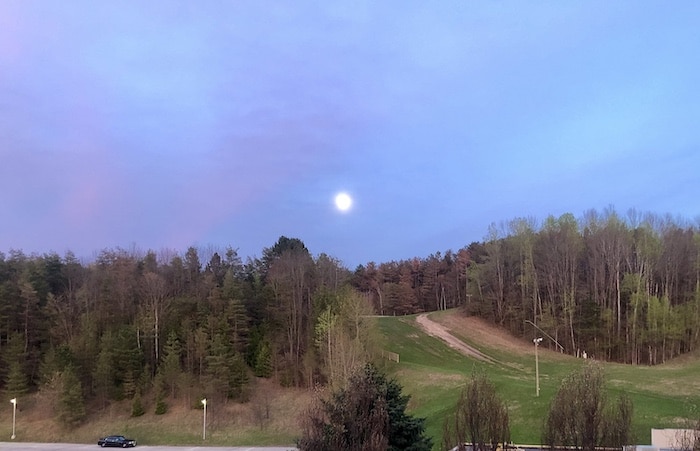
{"x":436,"y":362}
{"x":431,"y":372}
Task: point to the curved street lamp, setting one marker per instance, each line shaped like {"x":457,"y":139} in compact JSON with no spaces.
{"x":204,"y":427}
{"x":537,"y":342}
{"x":14,"y":412}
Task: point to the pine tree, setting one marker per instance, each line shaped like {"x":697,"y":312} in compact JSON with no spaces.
{"x":217,"y":370}
{"x":405,"y":431}
{"x":71,"y":405}
{"x":159,"y":388}
{"x":16,"y":381}
{"x":129,"y":386}
{"x":369,"y":414}
{"x":104,"y":372}
{"x":263,"y":361}
{"x":238,"y":376}
{"x":170,"y":369}
{"x":137,"y":406}
{"x":237,"y":324}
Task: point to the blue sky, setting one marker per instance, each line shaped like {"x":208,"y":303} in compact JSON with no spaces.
{"x":165,"y":124}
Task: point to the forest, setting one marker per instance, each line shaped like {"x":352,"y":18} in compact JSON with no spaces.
{"x":182,"y":326}
{"x":619,"y":289}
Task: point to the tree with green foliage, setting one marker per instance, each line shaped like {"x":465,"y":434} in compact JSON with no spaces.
{"x":130,"y":386}
{"x":580,"y":417}
{"x":161,"y":407}
{"x":226,"y":374}
{"x":263,"y":360}
{"x":129,"y":354}
{"x":238,"y":377}
{"x":104,"y":372}
{"x":617,"y":430}
{"x":345,"y":334}
{"x":368,"y":415}
{"x":15,"y":381}
{"x":481,"y":417}
{"x":71,"y":404}
{"x":170,"y":368}
{"x":137,"y":409}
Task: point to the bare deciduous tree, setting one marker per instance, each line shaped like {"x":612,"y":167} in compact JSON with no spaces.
{"x":481,"y":417}
{"x":579,"y":416}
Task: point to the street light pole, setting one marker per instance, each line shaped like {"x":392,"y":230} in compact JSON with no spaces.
{"x":14,"y":415}
{"x":204,"y":427}
{"x":537,"y":342}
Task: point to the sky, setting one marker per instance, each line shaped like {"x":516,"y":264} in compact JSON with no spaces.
{"x":167,"y":124}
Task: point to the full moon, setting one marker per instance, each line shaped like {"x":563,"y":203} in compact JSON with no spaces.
{"x":343,"y":201}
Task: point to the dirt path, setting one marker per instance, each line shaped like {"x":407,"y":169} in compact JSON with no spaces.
{"x":439,"y":331}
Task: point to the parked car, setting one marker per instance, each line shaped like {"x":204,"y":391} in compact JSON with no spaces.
{"x":117,"y":441}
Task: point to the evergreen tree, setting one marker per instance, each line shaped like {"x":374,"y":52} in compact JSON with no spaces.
{"x":104,"y":371}
{"x":137,"y":406}
{"x":217,"y":370}
{"x":405,"y":431}
{"x":238,"y":376}
{"x":170,"y":369}
{"x":368,"y":415}
{"x":55,"y":360}
{"x":71,"y":404}
{"x":159,"y":388}
{"x":129,"y":386}
{"x":13,"y":368}
{"x":130,"y":357}
{"x":236,"y":324}
{"x":263,"y":361}
{"x":15,"y":381}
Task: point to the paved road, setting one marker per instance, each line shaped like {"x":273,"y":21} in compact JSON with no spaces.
{"x":20,"y":446}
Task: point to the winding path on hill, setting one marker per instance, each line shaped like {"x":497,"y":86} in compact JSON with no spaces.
{"x":437,"y":330}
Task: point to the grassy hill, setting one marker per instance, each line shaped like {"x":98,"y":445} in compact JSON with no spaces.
{"x":429,"y":370}
{"x":433,"y":373}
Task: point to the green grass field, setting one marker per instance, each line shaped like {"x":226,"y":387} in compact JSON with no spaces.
{"x":433,"y":374}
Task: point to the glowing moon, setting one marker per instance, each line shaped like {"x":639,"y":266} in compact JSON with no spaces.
{"x":343,"y":201}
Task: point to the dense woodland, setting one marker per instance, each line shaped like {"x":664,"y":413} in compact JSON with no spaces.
{"x":204,"y":322}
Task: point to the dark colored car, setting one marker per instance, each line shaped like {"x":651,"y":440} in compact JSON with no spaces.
{"x":117,"y":441}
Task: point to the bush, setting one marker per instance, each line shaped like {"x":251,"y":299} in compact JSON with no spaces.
{"x":481,"y":417}
{"x":368,"y":415}
{"x":579,"y":416}
{"x":137,"y":406}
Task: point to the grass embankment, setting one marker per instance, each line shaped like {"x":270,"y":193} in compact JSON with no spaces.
{"x":433,"y":374}
{"x":269,"y":418}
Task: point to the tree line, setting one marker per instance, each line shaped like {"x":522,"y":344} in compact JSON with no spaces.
{"x":181,"y":327}
{"x":624,"y":289}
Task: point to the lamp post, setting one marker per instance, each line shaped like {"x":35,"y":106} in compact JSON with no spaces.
{"x":537,"y":342}
{"x":204,"y":427}
{"x":14,"y":411}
